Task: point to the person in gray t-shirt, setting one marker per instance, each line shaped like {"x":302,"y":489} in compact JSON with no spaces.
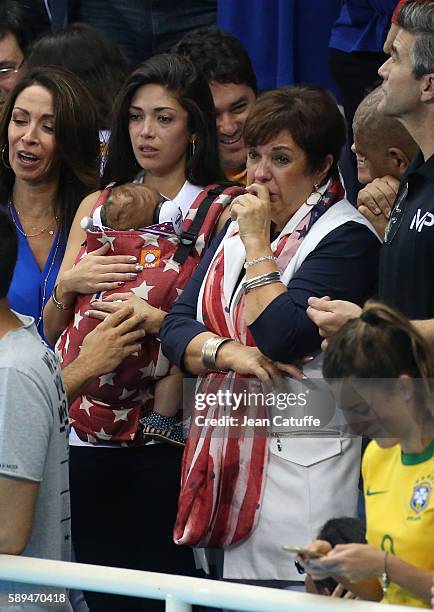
{"x":34,"y":456}
{"x":34,"y":492}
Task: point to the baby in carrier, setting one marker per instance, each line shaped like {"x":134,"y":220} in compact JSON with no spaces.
{"x":135,"y":206}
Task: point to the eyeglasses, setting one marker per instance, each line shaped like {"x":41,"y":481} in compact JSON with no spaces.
{"x":5,"y":73}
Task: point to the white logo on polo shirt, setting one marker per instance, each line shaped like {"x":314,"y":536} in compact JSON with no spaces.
{"x":420,"y":220}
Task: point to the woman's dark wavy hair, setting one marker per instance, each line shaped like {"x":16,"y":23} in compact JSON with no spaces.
{"x":76,"y":134}
{"x":93,"y":57}
{"x":180,"y":77}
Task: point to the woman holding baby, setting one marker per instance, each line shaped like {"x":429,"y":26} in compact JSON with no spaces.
{"x":163,"y":135}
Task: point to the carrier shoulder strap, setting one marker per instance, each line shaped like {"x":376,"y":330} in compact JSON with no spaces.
{"x":189,"y":237}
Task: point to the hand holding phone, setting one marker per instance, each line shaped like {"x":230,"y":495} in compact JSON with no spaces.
{"x":303,"y":552}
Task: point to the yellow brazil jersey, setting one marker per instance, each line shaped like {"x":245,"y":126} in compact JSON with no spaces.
{"x":399,"y":496}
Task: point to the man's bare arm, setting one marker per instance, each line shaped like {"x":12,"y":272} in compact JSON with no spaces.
{"x":17,"y":505}
{"x":115,"y":338}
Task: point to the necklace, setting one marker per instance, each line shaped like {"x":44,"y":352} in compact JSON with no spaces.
{"x":27,"y":235}
{"x":53,"y":260}
{"x":44,"y":286}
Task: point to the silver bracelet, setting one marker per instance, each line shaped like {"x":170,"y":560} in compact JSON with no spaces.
{"x":384,"y":578}
{"x":56,"y":302}
{"x":261,"y":281}
{"x":258,"y":260}
{"x":209,"y":352}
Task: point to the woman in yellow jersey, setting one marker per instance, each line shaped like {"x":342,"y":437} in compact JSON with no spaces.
{"x":381,"y":371}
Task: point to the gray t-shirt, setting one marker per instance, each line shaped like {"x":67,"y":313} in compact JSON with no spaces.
{"x":34,"y":446}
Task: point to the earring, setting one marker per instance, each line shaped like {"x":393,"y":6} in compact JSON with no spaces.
{"x":193,"y":147}
{"x":3,"y":156}
{"x":315,"y":197}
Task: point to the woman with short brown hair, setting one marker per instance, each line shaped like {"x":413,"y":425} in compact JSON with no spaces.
{"x":243,"y":317}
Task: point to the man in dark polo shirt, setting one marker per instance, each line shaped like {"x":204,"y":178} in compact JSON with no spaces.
{"x":406,"y":266}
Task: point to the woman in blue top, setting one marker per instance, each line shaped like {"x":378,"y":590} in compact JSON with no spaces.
{"x":49,"y":162}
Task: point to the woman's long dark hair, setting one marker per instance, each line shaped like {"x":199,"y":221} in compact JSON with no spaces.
{"x":180,"y":77}
{"x":76,"y":134}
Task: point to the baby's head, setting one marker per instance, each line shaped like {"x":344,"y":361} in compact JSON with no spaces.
{"x":382,"y":145}
{"x":130,"y":206}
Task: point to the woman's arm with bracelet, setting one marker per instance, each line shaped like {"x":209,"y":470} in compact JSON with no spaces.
{"x":252,"y":212}
{"x":56,"y":317}
{"x":183,"y":337}
{"x":357,"y":564}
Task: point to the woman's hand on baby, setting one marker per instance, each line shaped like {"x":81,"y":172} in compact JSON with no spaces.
{"x":252,"y":212}
{"x":98,"y":271}
{"x":152,"y":318}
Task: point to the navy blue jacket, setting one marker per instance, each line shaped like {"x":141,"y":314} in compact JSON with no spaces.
{"x":344,"y":266}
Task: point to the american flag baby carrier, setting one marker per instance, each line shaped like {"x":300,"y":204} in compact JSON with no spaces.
{"x":114,"y":403}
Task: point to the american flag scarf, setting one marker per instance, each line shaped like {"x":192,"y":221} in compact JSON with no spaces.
{"x":224,"y":467}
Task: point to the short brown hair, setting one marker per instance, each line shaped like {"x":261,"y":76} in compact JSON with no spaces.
{"x":380,"y":131}
{"x":310,"y":114}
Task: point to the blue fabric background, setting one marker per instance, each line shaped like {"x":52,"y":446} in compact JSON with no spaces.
{"x":287,"y":40}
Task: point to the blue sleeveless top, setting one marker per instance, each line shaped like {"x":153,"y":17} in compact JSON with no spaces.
{"x":31,"y":287}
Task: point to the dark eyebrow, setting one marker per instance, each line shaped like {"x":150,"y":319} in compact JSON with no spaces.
{"x":242,"y":100}
{"x":282,"y":147}
{"x":23,"y":110}
{"x":26,"y":112}
{"x":157,"y":109}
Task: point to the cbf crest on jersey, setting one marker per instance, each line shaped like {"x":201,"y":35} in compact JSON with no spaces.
{"x":421,"y":496}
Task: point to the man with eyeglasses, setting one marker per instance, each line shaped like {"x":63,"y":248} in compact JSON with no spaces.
{"x":15,"y":39}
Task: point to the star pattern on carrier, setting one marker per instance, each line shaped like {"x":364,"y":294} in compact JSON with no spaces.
{"x":171,"y":264}
{"x":86,"y":405}
{"x":148,"y":371}
{"x":149,"y":239}
{"x":126,"y":394}
{"x":200,"y":244}
{"x":121,"y":415}
{"x":143,"y":290}
{"x":104,"y":239}
{"x":107,"y":379}
{"x":77,"y":319}
{"x":102,"y":435}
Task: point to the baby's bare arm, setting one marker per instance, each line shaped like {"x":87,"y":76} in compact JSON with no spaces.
{"x":168,"y":393}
